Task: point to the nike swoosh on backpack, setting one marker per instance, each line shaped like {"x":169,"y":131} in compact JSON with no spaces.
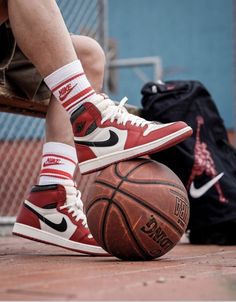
{"x":111,"y":141}
{"x":60,"y":227}
{"x":198,"y":192}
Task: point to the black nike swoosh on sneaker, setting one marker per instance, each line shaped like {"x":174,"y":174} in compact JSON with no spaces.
{"x":60,"y":227}
{"x":111,"y":141}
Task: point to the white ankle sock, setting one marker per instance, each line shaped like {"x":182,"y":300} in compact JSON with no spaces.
{"x":70,"y":86}
{"x":58,"y":163}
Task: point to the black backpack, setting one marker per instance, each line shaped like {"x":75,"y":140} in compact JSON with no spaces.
{"x":205,"y":162}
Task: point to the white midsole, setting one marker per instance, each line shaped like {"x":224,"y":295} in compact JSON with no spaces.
{"x":110,"y":158}
{"x":50,"y":238}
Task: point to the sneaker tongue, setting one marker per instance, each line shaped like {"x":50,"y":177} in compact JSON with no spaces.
{"x":102,"y":104}
{"x":70,"y":191}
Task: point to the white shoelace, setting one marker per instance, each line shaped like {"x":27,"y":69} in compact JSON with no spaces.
{"x":74,"y":205}
{"x":111,"y":111}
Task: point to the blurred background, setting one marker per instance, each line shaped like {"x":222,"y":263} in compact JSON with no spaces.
{"x":194,"y":40}
{"x":144,"y":40}
{"x":167,"y":39}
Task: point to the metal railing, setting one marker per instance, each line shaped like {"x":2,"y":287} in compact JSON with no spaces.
{"x":136,"y":63}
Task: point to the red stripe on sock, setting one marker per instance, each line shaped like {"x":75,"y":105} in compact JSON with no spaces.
{"x":76,"y":98}
{"x":60,"y":156}
{"x":66,"y":81}
{"x":54,"y":176}
{"x":56,"y":172}
{"x":74,"y":104}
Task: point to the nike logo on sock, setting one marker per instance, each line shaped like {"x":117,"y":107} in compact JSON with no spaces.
{"x":60,"y":227}
{"x":52,"y":162}
{"x":198,"y":192}
{"x":65,"y":91}
{"x":111,"y":141}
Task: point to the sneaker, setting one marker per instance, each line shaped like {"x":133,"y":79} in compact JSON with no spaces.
{"x":105,"y":133}
{"x":53,"y":214}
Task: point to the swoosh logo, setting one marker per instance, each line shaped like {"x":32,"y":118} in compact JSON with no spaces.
{"x":64,"y":96}
{"x":198,"y":192}
{"x":60,"y":227}
{"x":51,"y":164}
{"x":111,"y":141}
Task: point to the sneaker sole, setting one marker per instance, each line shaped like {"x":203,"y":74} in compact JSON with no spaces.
{"x":155,"y":146}
{"x":31,"y":233}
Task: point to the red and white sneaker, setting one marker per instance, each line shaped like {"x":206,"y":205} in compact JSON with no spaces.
{"x":106,"y":133}
{"x":53,"y":214}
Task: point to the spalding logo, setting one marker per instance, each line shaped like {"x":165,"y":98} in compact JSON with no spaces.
{"x":154,"y":231}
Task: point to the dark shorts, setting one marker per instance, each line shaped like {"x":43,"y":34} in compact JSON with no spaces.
{"x":17,"y":73}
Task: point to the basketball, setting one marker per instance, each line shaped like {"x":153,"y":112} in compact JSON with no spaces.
{"x":137,"y":209}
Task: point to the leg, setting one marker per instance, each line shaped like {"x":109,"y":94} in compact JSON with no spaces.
{"x":48,"y":35}
{"x":58,"y":126}
{"x":93,"y":118}
{"x":93,"y":61}
{"x":52,"y":52}
{"x":92,"y":58}
{"x":50,"y":48}
{"x":72,"y":231}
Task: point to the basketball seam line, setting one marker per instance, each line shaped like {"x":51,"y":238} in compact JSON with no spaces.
{"x":125,"y":177}
{"x":115,"y":167}
{"x":162,"y":215}
{"x":95,"y":201}
{"x":157,"y":183}
{"x":127,"y":222}
{"x":143,"y":163}
{"x":102,"y":229}
{"x":107,"y":211}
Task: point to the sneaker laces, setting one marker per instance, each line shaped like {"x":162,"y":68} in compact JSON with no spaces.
{"x":111,"y":111}
{"x":74,"y":205}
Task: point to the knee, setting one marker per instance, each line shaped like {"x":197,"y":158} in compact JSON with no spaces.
{"x":92,"y":58}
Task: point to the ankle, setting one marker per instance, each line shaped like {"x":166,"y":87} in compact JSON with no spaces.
{"x":70,"y":86}
{"x":58,"y":164}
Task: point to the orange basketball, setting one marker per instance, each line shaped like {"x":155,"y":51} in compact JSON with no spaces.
{"x":137,"y":209}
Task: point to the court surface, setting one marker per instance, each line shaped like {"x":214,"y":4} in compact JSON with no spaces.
{"x":33,"y":271}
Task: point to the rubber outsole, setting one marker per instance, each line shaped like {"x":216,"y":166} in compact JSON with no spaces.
{"x":38,"y":235}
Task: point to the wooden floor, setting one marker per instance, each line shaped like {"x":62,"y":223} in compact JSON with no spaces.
{"x":33,"y":271}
